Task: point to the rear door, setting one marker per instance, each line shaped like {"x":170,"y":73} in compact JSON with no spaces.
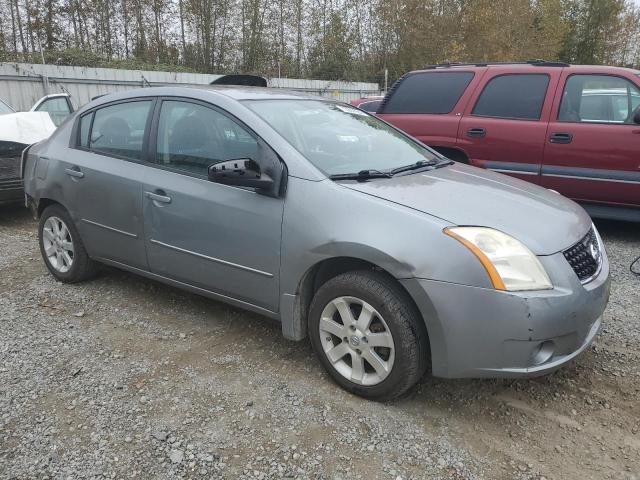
{"x":504,"y":127}
{"x":592,"y":149}
{"x":103,"y":180}
{"x":428,"y":104}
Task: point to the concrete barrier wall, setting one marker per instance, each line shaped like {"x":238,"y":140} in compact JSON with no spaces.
{"x":22,"y":84}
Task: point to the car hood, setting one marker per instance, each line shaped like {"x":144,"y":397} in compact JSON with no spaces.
{"x":25,"y":127}
{"x":543,"y":220}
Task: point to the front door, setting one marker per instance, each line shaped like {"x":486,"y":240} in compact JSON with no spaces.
{"x":592,"y":152}
{"x":57,"y":106}
{"x":103,"y":181}
{"x":220,"y":238}
{"x":504,"y":130}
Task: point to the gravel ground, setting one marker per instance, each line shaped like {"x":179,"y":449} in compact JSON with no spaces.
{"x":123,"y":377}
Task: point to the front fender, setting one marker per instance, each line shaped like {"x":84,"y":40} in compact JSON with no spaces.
{"x":326,"y":220}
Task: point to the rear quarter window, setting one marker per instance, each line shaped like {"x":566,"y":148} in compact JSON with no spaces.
{"x":370,"y":106}
{"x":428,"y":92}
{"x":85,"y":128}
{"x":517,"y":96}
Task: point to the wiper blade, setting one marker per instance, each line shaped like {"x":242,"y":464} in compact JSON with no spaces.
{"x":414,"y":166}
{"x":361,"y":175}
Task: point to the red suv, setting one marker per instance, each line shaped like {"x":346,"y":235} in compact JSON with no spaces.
{"x":573,"y":129}
{"x":368,"y":104}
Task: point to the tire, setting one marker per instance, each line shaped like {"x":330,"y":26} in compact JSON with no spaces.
{"x":61,"y":247}
{"x":347,"y":352}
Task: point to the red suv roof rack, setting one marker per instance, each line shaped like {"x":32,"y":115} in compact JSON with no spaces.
{"x":535,"y":63}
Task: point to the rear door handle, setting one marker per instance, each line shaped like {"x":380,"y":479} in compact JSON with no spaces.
{"x":561,"y":138}
{"x":158,"y":196}
{"x":476,"y":132}
{"x":74,"y":172}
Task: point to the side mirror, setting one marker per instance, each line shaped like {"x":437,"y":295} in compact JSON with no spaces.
{"x":636,"y":116}
{"x":241,"y":172}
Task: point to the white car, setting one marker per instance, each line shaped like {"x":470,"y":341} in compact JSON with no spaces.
{"x":57,"y":105}
{"x":21,"y":129}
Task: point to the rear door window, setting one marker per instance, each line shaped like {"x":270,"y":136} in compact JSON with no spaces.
{"x":517,"y":96}
{"x":428,"y":92}
{"x":119,"y":129}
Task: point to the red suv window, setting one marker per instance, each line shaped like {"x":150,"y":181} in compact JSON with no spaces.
{"x":598,"y":99}
{"x":427,"y":92}
{"x":518,"y":96}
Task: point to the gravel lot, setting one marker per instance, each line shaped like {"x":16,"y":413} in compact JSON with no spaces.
{"x":123,"y":377}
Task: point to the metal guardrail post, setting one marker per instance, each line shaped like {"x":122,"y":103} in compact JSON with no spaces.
{"x":45,"y":84}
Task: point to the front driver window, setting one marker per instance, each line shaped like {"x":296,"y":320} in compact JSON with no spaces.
{"x":598,"y":99}
{"x":191,"y":137}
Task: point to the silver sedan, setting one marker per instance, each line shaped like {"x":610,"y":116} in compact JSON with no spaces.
{"x":390,"y":258}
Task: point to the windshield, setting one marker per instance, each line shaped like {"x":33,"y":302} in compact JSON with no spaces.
{"x":4,"y":108}
{"x":338,"y":138}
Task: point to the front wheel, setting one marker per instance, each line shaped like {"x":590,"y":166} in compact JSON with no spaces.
{"x":368,"y":334}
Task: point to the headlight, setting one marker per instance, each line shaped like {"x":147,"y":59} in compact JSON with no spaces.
{"x":509,"y":264}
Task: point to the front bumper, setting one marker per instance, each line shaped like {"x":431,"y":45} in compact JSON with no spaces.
{"x":11,"y":191}
{"x":479,"y":332}
{"x":10,"y":183}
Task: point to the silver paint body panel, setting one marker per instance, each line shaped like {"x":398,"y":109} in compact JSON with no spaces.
{"x":253,"y":251}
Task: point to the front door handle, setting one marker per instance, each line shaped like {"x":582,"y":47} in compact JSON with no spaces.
{"x":476,"y":132}
{"x":158,"y":196}
{"x":74,"y":172}
{"x":561,"y":137}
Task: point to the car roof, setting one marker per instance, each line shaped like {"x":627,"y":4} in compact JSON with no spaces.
{"x":233,"y":92}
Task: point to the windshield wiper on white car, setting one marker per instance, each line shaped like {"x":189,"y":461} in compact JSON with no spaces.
{"x":361,"y":175}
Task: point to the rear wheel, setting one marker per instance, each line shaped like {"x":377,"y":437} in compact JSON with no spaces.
{"x":61,"y":247}
{"x":368,"y":335}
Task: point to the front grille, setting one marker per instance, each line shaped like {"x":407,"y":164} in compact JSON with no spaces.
{"x":585,"y":256}
{"x":9,"y":168}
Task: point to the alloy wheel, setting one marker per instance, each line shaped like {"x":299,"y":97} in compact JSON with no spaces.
{"x":58,"y":244}
{"x":356,"y":340}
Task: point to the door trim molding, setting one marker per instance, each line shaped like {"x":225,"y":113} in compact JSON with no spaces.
{"x":597,"y":174}
{"x":192,"y":288}
{"x":512,"y":167}
{"x":212,"y":259}
{"x":111,"y":229}
{"x":579,"y":173}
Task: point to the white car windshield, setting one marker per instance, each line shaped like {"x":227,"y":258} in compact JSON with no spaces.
{"x":340,"y":139}
{"x":4,"y":108}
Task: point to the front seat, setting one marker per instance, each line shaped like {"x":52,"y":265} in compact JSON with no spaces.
{"x":187,"y":141}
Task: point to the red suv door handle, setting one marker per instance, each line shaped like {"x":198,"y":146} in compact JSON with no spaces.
{"x":476,"y":132}
{"x":561,"y":138}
